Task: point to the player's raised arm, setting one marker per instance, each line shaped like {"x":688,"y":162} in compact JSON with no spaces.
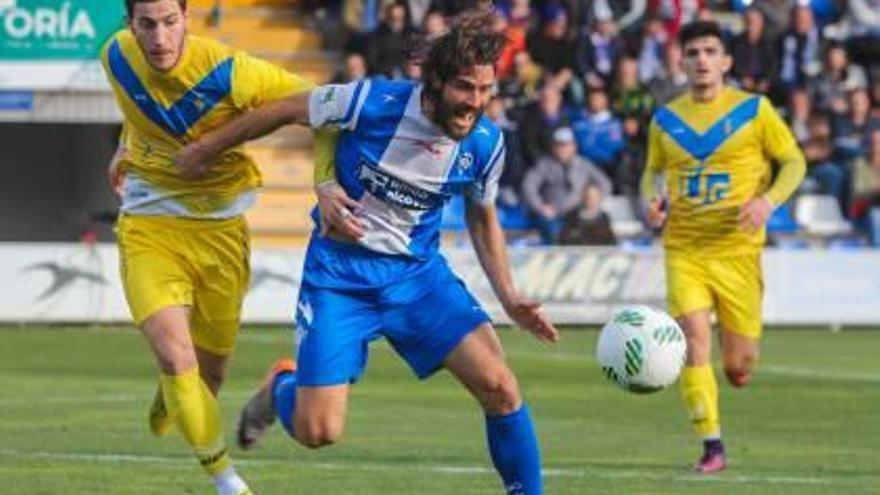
{"x":200,"y":155}
{"x":330,"y":105}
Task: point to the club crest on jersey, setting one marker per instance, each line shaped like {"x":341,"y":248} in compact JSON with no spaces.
{"x":465,"y":160}
{"x":328,"y":96}
{"x":395,"y":191}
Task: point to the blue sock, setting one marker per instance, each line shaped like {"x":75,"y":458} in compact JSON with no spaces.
{"x":284,"y":399}
{"x":514,"y":449}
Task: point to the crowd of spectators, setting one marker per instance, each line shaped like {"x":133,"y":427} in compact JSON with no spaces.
{"x":580,"y":79}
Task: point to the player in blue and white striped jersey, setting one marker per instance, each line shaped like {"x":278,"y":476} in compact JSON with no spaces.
{"x":404,"y":149}
{"x":400,"y":165}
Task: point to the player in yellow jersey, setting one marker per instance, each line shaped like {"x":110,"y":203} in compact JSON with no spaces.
{"x":716,"y":146}
{"x":184,"y":245}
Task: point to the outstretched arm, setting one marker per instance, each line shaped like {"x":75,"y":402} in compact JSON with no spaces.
{"x":488,"y":240}
{"x":198,"y":156}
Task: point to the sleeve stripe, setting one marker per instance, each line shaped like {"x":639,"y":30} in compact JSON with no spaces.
{"x":494,"y":160}
{"x":353,"y":104}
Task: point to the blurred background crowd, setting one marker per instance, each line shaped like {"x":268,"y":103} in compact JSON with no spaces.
{"x":579,"y":81}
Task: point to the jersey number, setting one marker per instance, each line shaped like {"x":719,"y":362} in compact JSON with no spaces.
{"x":698,"y":186}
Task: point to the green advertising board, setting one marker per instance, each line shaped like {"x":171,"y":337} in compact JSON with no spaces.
{"x":57,"y":29}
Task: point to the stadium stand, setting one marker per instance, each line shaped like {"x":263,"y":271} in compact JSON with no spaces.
{"x":820,"y":216}
{"x":624,"y":222}
{"x":290,"y":33}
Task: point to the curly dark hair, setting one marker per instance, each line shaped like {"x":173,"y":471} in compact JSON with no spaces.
{"x":470,"y":41}
{"x":129,"y":5}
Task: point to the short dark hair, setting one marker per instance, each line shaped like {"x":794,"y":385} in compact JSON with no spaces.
{"x":701,"y":29}
{"x":129,"y":5}
{"x":470,"y":41}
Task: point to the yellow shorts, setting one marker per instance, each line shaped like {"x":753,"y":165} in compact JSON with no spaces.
{"x":733,"y":286}
{"x":203,"y":264}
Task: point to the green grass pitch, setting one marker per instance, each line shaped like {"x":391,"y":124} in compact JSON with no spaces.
{"x":73,"y":405}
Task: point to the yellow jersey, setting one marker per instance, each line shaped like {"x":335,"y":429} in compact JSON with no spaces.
{"x":210,"y":85}
{"x":716,"y":156}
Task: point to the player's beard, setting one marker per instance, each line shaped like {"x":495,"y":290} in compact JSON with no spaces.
{"x":444,"y":114}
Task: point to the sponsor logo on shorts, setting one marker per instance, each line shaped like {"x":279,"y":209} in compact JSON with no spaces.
{"x":305,"y":311}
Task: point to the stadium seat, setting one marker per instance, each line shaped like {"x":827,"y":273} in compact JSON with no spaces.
{"x":820,"y":216}
{"x":624,"y":222}
{"x":515,"y":218}
{"x":782,"y":221}
{"x":643,"y":244}
{"x":512,"y":218}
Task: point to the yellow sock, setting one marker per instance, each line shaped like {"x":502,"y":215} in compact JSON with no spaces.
{"x":700,"y":393}
{"x":197,"y":416}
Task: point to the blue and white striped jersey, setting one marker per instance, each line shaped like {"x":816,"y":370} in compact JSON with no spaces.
{"x":402,"y":167}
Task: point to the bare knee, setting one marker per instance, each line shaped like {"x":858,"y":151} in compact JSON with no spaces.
{"x":499,"y":392}
{"x":740,"y":358}
{"x":738,"y":369}
{"x":317,"y":433}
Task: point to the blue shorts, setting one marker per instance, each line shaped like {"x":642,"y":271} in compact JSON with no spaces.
{"x":424,"y":315}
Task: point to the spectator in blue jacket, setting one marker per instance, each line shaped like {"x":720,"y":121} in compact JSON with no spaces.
{"x":598,"y":132}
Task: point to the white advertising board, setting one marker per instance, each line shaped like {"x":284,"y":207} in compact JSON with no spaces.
{"x":76,"y":283}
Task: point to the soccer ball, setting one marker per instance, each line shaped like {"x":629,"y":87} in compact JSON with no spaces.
{"x":641,"y":349}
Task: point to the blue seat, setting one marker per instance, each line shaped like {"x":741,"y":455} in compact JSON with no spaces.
{"x":782,"y":221}
{"x":515,"y":218}
{"x":510,"y":217}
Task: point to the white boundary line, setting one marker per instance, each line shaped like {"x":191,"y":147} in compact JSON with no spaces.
{"x":843,"y":376}
{"x":443,"y":469}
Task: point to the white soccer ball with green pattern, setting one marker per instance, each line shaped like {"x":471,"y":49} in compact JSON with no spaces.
{"x":641,"y":349}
